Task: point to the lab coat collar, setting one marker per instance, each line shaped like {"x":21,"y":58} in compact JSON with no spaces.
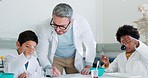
{"x":16,"y":53}
{"x":132,"y":55}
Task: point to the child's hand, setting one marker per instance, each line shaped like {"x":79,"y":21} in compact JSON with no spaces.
{"x":105,"y":60}
{"x":23,"y":75}
{"x":29,"y":51}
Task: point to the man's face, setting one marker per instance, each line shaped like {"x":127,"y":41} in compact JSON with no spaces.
{"x":128,"y":42}
{"x":60,"y":25}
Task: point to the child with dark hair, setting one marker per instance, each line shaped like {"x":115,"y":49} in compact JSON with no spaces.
{"x":134,"y":59}
{"x":25,"y":59}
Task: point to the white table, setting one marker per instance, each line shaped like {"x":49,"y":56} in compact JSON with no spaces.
{"x":106,"y":75}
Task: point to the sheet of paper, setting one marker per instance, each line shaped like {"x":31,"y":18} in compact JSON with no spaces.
{"x":122,"y":75}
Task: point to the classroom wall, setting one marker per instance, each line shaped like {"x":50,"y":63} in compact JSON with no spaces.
{"x":116,"y":13}
{"x":104,"y":16}
{"x":18,"y":15}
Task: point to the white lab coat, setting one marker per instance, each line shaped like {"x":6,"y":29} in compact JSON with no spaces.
{"x":82,"y":33}
{"x":16,"y":64}
{"x":136,"y":64}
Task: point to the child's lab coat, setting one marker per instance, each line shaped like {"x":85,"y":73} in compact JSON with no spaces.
{"x":136,"y":64}
{"x":16,"y":64}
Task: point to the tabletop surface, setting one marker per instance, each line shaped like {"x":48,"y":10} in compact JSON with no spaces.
{"x":106,"y":75}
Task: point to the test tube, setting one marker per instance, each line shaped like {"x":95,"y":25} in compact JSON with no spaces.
{"x":94,"y":73}
{"x":48,"y":72}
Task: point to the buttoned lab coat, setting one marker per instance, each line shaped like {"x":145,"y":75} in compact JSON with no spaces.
{"x":82,"y":33}
{"x":136,"y":64}
{"x":16,"y":64}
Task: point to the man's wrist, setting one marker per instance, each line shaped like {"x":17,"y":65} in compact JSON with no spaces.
{"x":47,"y":67}
{"x":88,"y":66}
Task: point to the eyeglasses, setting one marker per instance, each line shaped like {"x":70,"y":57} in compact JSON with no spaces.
{"x":62,"y":27}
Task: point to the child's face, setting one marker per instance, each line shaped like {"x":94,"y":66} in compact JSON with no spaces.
{"x":27,"y":47}
{"x":128,"y":42}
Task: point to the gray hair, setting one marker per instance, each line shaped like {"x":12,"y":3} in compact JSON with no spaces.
{"x":63,"y":10}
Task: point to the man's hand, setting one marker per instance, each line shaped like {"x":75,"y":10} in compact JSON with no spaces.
{"x":55,"y":71}
{"x":86,"y":70}
{"x":23,"y":75}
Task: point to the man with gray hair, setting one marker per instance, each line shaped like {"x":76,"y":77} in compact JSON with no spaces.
{"x":61,"y":43}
